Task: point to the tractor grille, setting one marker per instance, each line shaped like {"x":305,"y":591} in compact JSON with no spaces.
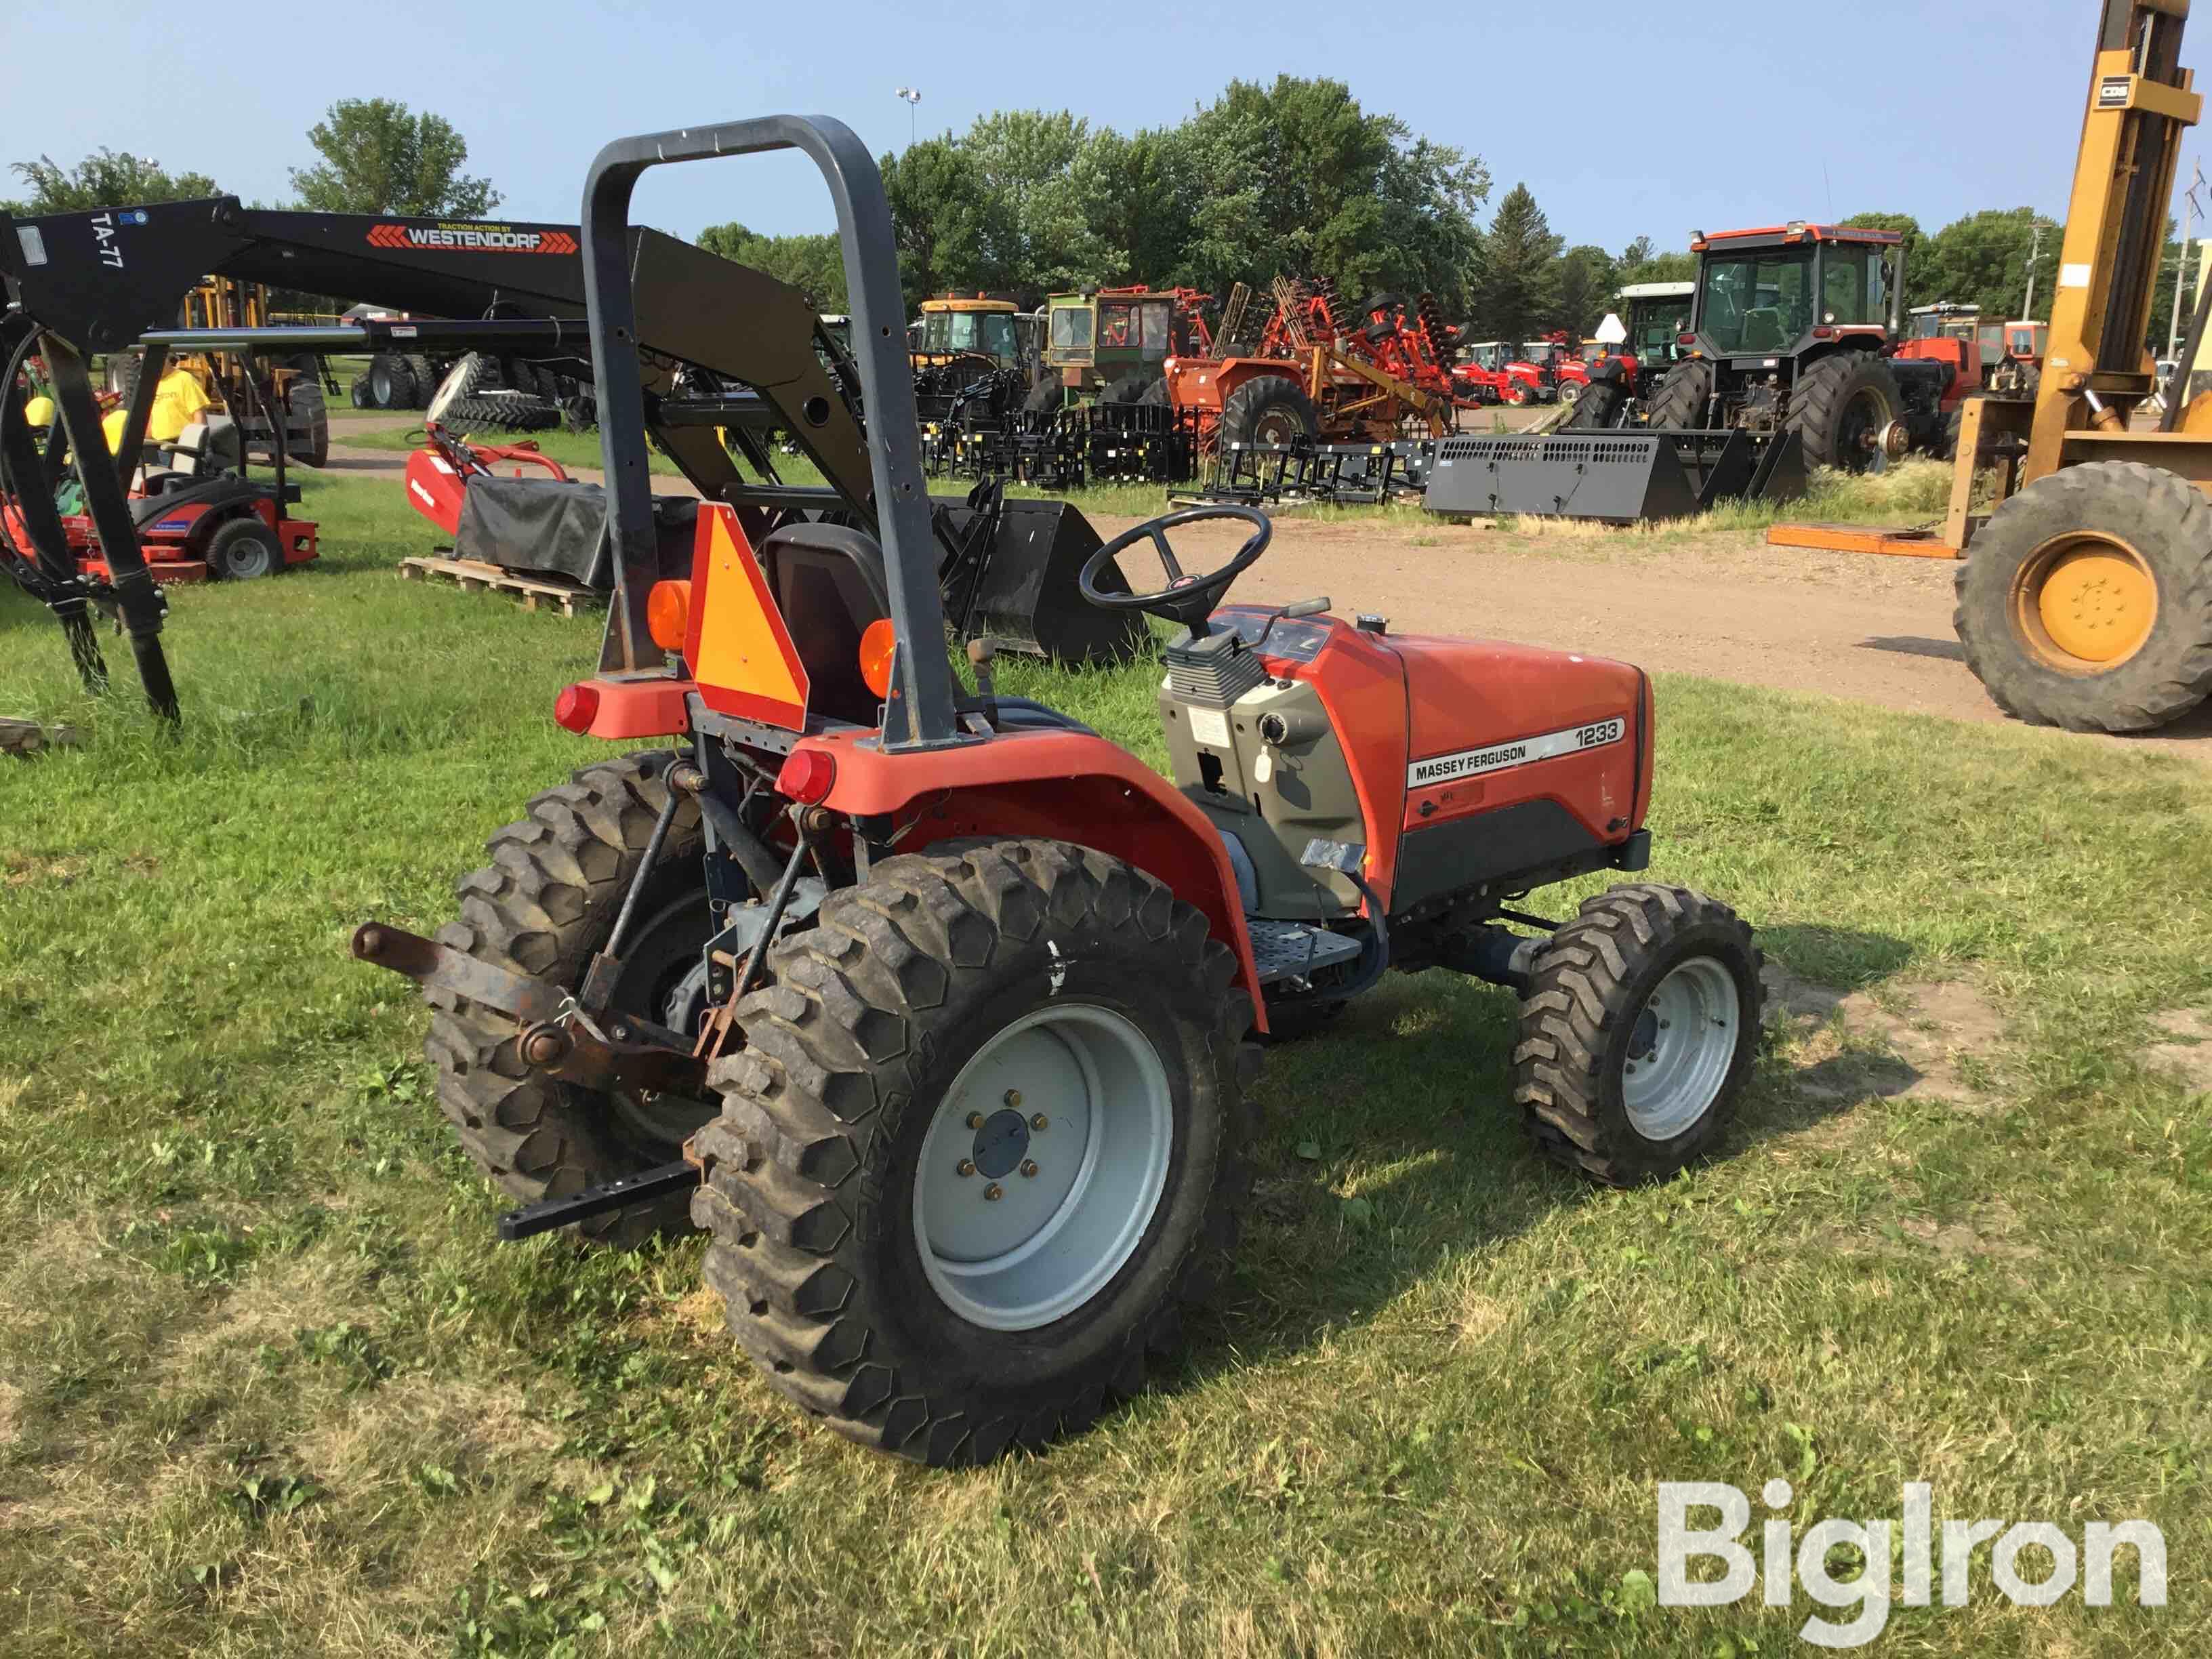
{"x":1212,"y":673}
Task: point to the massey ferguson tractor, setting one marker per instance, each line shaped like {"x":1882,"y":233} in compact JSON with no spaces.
{"x":939,"y":1011}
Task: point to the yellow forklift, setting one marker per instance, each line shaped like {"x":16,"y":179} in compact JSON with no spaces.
{"x":259,"y":394}
{"x":2085,"y":586}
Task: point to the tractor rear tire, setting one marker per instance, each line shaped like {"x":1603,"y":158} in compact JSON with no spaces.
{"x":1840,"y":406}
{"x":1637,"y":1032}
{"x":1047,"y":396}
{"x":1156,"y":394}
{"x":1600,"y":408}
{"x":1269,"y":409}
{"x":545,"y":905}
{"x":874,"y":1239}
{"x":1129,"y":389}
{"x":1681,"y":400}
{"x":244,"y":550}
{"x":2086,"y":601}
{"x":390,"y":384}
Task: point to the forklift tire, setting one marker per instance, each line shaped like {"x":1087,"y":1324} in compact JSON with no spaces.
{"x":1600,"y":407}
{"x":545,"y":905}
{"x":2086,"y":601}
{"x":971,"y":1051}
{"x":1637,"y":1031}
{"x":1840,"y":407}
{"x":1269,"y":409}
{"x":245,"y":549}
{"x":1680,"y":403}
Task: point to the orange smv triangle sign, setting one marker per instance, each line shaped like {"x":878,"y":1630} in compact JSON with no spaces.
{"x":740,"y":651}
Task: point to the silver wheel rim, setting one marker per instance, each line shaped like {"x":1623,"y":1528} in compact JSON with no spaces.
{"x":1680,"y":1048}
{"x":1074,"y":1193}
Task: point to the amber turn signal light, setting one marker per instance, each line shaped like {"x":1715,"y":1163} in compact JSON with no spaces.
{"x":668,"y":614}
{"x":879,"y":645}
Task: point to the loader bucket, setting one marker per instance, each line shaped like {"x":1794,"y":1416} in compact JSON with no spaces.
{"x":1021,"y":589}
{"x":1615,"y":477}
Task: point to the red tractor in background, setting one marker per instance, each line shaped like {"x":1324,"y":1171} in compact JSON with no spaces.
{"x":1625,"y":374}
{"x":1503,"y":372}
{"x":941,"y":1012}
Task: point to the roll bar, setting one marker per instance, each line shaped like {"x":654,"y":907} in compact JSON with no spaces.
{"x":920,"y":712}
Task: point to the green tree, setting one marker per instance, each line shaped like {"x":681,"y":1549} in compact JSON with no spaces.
{"x":1587,"y":279}
{"x":1982,"y":259}
{"x":104,"y":178}
{"x":380,"y":157}
{"x":936,"y":218}
{"x":814,"y":264}
{"x":1640,"y":261}
{"x":1039,"y":180}
{"x":1516,"y":286}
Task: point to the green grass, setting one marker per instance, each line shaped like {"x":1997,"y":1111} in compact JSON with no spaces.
{"x":267,"y":1386}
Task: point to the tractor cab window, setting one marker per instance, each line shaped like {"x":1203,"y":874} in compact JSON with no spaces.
{"x":1854,"y":285}
{"x":995,"y":336}
{"x":1117,"y":326}
{"x":1071,"y":328}
{"x":1756,"y":302}
{"x":1158,"y":320}
{"x":1655,"y":328}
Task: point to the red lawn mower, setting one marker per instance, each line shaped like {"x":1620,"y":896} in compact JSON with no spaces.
{"x":941,"y":1012}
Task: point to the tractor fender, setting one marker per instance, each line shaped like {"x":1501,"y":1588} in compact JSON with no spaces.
{"x":1053,"y":785}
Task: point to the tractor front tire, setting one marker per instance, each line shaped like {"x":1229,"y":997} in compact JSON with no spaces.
{"x":1637,"y":1032}
{"x":1839,"y":408}
{"x":1271,"y":409}
{"x":1047,"y":396}
{"x":2086,"y":601}
{"x":545,"y":906}
{"x":1600,"y":407}
{"x":1681,"y":400}
{"x":985,"y":1139}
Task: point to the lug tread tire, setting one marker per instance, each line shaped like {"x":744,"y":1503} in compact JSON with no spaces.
{"x":1680,"y":403}
{"x":1582,"y":993}
{"x":542,"y":906}
{"x":1825,"y":390}
{"x":1244,"y":408}
{"x":502,"y":412}
{"x":801,"y":1162}
{"x":1599,"y":408}
{"x":2171,"y":523}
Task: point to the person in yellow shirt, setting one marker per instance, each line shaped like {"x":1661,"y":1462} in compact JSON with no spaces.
{"x":40,"y":411}
{"x":178,"y":402}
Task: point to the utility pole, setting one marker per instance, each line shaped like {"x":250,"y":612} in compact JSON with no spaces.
{"x":2034,"y":252}
{"x":2190,"y":216}
{"x":910,"y":96}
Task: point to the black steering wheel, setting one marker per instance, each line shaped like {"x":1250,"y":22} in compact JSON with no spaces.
{"x":1185,"y":599}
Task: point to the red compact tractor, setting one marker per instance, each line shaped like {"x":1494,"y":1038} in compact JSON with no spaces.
{"x":1503,"y":372}
{"x":941,"y":1012}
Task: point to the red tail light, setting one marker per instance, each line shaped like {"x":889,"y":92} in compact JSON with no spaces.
{"x":807,"y":776}
{"x":1685,"y":339}
{"x":577,"y":706}
{"x":1824,"y":332}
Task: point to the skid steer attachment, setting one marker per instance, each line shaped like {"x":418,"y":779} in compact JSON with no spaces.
{"x":1614,"y":478}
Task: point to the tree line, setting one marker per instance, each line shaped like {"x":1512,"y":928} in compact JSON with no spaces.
{"x":1295,"y":177}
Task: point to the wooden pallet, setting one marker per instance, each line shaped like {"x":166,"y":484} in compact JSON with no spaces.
{"x":475,"y":576}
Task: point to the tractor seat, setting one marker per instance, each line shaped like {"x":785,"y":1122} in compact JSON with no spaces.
{"x":828,"y":581}
{"x":1762,"y":330}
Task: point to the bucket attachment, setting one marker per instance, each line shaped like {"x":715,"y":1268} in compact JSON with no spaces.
{"x":1616,"y":477}
{"x":1021,"y":589}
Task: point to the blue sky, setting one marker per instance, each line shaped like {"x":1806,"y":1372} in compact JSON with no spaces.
{"x":1625,"y":118}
